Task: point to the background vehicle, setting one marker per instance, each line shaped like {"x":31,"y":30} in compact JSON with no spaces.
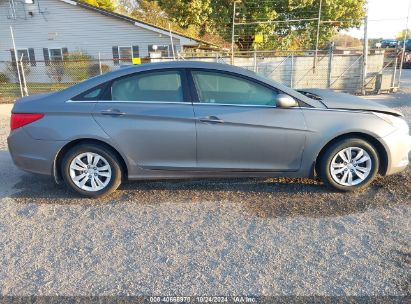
{"x":388,"y":43}
{"x":407,"y":45}
{"x":191,"y":119}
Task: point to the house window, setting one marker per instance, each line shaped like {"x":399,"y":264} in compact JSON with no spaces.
{"x":23,"y":55}
{"x":26,"y":55}
{"x":54,"y":54}
{"x":164,"y":49}
{"x":124,"y":54}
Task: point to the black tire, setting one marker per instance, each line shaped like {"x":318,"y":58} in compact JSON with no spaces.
{"x":108,"y":156}
{"x":324,"y":165}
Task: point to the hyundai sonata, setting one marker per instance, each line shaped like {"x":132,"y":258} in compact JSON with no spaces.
{"x":194,"y":120}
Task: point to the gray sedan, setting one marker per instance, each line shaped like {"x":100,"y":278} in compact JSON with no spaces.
{"x":196,"y":120}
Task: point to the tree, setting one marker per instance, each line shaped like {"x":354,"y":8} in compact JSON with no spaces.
{"x":215,"y":16}
{"x":104,"y":4}
{"x":401,"y":35}
{"x":150,"y":12}
{"x":345,"y":40}
{"x":127,"y":6}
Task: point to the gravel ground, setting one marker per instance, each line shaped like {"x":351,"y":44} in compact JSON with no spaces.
{"x":212,"y":237}
{"x":4,"y":126}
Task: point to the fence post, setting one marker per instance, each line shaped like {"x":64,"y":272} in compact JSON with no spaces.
{"x":394,"y":73}
{"x":172,"y":43}
{"x":330,"y":64}
{"x":365,"y":52}
{"x":403,"y":46}
{"x":17,"y":61}
{"x":318,"y":37}
{"x":232,"y":35}
{"x":99,"y":63}
{"x":23,"y":77}
{"x":292,"y":71}
{"x":255,"y":60}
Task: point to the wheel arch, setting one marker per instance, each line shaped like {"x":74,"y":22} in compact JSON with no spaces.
{"x":59,"y":157}
{"x":381,"y":151}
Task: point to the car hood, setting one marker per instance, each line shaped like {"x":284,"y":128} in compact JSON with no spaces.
{"x":343,"y":101}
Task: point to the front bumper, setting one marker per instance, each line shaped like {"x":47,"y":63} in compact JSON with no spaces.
{"x":398,"y":146}
{"x":33,"y":155}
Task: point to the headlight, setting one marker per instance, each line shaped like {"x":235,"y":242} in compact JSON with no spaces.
{"x":396,"y":122}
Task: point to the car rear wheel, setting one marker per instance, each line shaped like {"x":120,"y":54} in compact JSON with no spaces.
{"x":349,"y":164}
{"x":91,"y":170}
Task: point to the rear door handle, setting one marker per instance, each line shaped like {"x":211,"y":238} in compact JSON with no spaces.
{"x":211,"y":120}
{"x":112,"y":112}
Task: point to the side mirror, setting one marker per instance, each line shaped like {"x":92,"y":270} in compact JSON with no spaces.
{"x":285,"y":101}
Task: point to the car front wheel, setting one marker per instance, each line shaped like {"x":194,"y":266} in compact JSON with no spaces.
{"x":91,"y":170}
{"x":349,"y":164}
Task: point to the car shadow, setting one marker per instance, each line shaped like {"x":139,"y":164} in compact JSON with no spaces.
{"x":266,"y":198}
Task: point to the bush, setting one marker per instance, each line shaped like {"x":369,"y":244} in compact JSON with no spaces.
{"x":55,"y":71}
{"x":77,"y":65}
{"x":94,"y":69}
{"x":11,"y":71}
{"x":4,"y":78}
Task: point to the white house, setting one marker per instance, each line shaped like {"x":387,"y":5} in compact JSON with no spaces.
{"x":44,"y":30}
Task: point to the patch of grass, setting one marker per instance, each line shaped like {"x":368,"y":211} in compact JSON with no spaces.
{"x":9,"y":92}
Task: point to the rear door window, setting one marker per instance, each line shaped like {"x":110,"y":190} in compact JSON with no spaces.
{"x":161,"y":86}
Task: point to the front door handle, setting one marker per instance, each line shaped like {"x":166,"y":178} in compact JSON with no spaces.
{"x":211,"y":120}
{"x":112,"y":112}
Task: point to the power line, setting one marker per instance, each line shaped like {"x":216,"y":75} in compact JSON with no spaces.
{"x":274,"y":21}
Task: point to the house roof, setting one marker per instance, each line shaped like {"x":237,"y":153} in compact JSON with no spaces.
{"x":184,"y":39}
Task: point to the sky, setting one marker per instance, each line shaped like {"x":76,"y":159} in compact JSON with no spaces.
{"x":386,"y":19}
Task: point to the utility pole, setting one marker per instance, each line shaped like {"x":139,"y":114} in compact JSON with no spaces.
{"x":232,"y":35}
{"x":365,"y":51}
{"x":318,"y":36}
{"x":403,"y":45}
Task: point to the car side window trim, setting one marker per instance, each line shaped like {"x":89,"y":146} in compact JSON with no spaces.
{"x":81,"y":97}
{"x":194,"y":93}
{"x":196,"y":101}
{"x":183,"y":78}
{"x":105,"y":94}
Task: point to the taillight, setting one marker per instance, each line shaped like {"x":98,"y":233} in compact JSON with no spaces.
{"x":21,"y":119}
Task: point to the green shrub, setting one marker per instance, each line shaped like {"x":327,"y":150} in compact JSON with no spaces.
{"x":77,"y":65}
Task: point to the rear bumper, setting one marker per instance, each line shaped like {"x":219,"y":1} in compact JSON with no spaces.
{"x":398,"y":146}
{"x":33,"y":155}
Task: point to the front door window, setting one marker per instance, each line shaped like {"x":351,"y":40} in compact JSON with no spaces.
{"x":222,"y":88}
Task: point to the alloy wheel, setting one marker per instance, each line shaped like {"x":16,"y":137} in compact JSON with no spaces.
{"x":351,"y":166}
{"x":90,"y":171}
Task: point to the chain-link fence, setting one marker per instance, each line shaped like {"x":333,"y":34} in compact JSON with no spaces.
{"x":334,"y":69}
{"x":26,"y":78}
